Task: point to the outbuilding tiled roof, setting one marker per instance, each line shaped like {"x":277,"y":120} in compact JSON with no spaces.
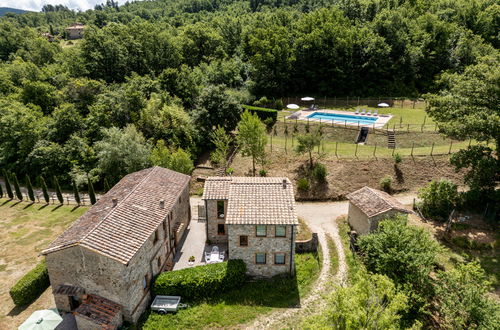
{"x":254,"y":200}
{"x":99,"y":310}
{"x":119,"y":231}
{"x":373,"y":202}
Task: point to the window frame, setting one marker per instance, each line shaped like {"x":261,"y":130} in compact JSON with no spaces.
{"x":218,"y":229}
{"x":223,"y":213}
{"x":145,"y":282}
{"x":257,"y":231}
{"x":276,"y":231}
{"x":159,"y":262}
{"x":239,"y":241}
{"x":265,"y":258}
{"x":284,"y":258}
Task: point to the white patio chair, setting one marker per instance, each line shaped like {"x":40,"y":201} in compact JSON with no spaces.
{"x":215,"y":249}
{"x":207,"y":257}
{"x":221,"y":256}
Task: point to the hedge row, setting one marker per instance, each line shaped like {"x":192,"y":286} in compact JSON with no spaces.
{"x":202,"y":281}
{"x":31,"y":285}
{"x":263,"y":113}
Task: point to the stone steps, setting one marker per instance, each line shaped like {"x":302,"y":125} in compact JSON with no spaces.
{"x":391,"y":140}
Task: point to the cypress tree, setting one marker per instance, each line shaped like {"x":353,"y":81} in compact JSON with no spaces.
{"x":1,"y":191}
{"x":19,"y":194}
{"x":58,"y":190}
{"x":76,"y":193}
{"x":106,"y":185}
{"x":8,"y":188}
{"x":45,"y":191}
{"x":91,"y":192}
{"x":31,"y":193}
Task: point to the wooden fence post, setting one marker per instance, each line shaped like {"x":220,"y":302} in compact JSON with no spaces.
{"x":356,"y":151}
{"x":412,"y":146}
{"x":451,"y":143}
{"x":271,"y":141}
{"x":408,"y":128}
{"x":432,"y":148}
{"x":336,"y":145}
{"x":375,"y":150}
{"x":400,"y":122}
{"x":393,"y":151}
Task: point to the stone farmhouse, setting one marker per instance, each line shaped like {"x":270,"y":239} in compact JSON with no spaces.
{"x":100,"y":269}
{"x":75,"y":31}
{"x":256,"y":218}
{"x":368,"y":206}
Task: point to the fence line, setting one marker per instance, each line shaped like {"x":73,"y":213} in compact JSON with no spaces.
{"x":346,"y":101}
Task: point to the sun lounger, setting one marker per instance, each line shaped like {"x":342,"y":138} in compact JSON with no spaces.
{"x":375,"y":113}
{"x":356,"y":112}
{"x":363,"y":112}
{"x":369,"y":113}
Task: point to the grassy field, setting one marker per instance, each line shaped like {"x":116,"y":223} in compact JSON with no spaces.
{"x":303,"y":232}
{"x":25,"y":230}
{"x":243,"y":304}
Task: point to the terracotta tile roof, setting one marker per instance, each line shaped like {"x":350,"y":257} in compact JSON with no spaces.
{"x":99,"y":310}
{"x":118,"y":232}
{"x":217,"y":187}
{"x":373,"y":202}
{"x":255,"y":200}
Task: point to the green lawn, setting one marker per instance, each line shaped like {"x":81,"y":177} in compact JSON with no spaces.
{"x":244,"y":304}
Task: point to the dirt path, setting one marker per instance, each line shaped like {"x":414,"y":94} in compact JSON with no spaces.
{"x":320,"y":216}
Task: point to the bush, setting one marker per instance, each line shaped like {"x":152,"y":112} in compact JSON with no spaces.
{"x":278,"y":104}
{"x":386,"y":183}
{"x":438,"y":199}
{"x":262,"y":113}
{"x":303,"y":184}
{"x":30,"y":286}
{"x":202,"y":281}
{"x":320,"y":172}
{"x":262,"y":172}
{"x":263,"y":101}
{"x":397,"y":158}
{"x":229,"y":171}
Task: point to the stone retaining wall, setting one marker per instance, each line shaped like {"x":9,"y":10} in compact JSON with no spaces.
{"x":310,"y":245}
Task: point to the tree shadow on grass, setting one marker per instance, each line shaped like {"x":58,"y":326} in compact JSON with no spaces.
{"x":43,"y":206}
{"x":7,"y":201}
{"x":16,"y":203}
{"x":399,"y":174}
{"x":75,"y":208}
{"x":55,"y":208}
{"x":29,"y":205}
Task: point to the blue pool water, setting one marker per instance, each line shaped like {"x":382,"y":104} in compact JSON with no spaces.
{"x":338,"y":118}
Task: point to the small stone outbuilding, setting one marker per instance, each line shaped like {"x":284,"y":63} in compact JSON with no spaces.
{"x":101,"y":268}
{"x":367,"y":206}
{"x":75,"y":31}
{"x":257,"y":219}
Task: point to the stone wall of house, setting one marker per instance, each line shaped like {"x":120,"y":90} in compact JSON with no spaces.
{"x":358,"y":220}
{"x":376,"y":219}
{"x":310,"y":245}
{"x":123,"y":284}
{"x":269,"y":245}
{"x":213,"y":221}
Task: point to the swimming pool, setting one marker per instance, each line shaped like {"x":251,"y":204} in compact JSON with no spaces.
{"x":341,"y":118}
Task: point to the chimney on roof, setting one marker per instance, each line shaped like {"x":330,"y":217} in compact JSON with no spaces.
{"x":284,"y":183}
{"x":162,"y":204}
{"x":115,"y":202}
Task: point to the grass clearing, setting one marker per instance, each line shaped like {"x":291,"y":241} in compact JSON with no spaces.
{"x":334,"y":257}
{"x":244,"y":304}
{"x":304,"y":232}
{"x":25,"y":230}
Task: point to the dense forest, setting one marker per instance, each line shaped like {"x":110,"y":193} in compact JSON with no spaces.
{"x":155,"y":77}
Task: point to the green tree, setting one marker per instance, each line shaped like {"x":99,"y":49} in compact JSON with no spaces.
{"x":438,"y":199}
{"x":371,"y":302}
{"x":31,"y":193}
{"x":41,"y":94}
{"x":467,"y":107}
{"x":160,"y":155}
{"x":122,"y":151}
{"x":462,"y":299}
{"x":57,"y":188}
{"x":45,"y":190}
{"x":1,"y":191}
{"x":17,"y":188}
{"x":181,"y":162}
{"x":252,"y":137}
{"x":222,"y":142}
{"x":92,"y":197}
{"x":306,"y":144}
{"x":107,"y":187}
{"x":76,"y":193}
{"x":8,"y":187}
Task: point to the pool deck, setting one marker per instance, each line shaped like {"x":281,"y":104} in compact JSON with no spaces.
{"x":302,"y":115}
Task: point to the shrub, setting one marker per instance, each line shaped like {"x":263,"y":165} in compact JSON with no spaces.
{"x":397,"y":158}
{"x":278,"y":105}
{"x":303,"y":184}
{"x":30,"y":286}
{"x":320,"y":172}
{"x":17,"y":188}
{"x":202,"y":281}
{"x":269,"y":122}
{"x":262,"y":113}
{"x":262,"y":172}
{"x":262,"y":101}
{"x":438,"y":199}
{"x":229,"y":171}
{"x":8,"y":188}
{"x":386,"y":183}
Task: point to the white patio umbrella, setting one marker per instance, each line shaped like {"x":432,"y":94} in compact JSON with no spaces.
{"x":292,"y":106}
{"x":383,"y":105}
{"x":307,"y":98}
{"x":46,"y":319}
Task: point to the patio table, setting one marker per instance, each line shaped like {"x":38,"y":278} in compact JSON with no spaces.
{"x":214,"y":257}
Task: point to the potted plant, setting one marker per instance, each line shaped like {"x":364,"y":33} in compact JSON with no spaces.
{"x":191,"y":261}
